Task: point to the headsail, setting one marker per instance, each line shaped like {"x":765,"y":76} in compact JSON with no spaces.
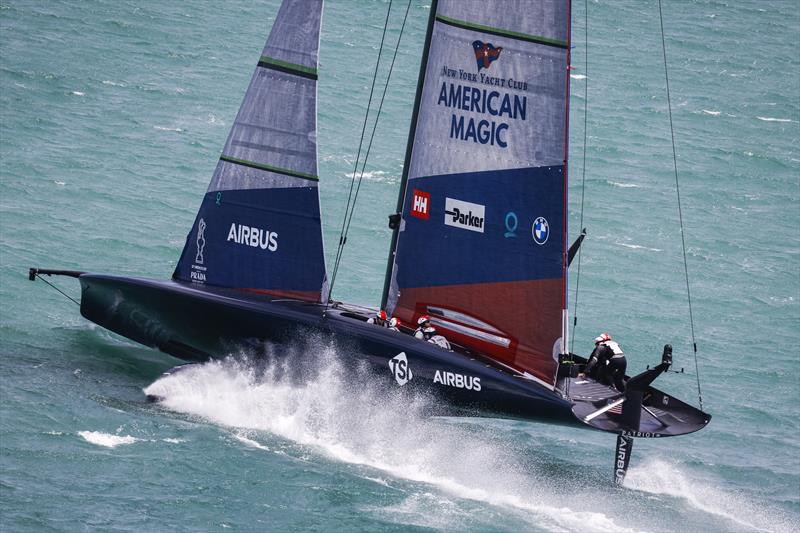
{"x":481,"y":246}
{"x":259,"y":226}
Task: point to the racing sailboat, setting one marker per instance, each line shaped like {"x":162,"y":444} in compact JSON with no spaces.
{"x":479,"y":239}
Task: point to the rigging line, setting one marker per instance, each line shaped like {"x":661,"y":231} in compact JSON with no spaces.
{"x":680,"y":211}
{"x":583,"y":173}
{"x":377,"y":118}
{"x":358,"y":156}
{"x":59,"y":290}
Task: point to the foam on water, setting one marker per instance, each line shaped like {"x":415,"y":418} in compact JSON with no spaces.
{"x":347,"y":419}
{"x":772,"y":119}
{"x":106,"y":439}
{"x":661,"y":477}
{"x":249,"y":442}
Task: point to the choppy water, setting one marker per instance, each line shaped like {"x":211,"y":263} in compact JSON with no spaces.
{"x":113,"y":116}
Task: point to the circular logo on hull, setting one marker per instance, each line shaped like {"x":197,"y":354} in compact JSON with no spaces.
{"x":540,"y":230}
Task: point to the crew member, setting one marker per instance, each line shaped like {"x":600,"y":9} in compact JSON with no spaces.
{"x":394,"y":324}
{"x":609,"y":361}
{"x":379,"y":319}
{"x":430,"y":335}
{"x":422,"y":322}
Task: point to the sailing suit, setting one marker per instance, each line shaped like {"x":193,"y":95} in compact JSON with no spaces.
{"x":434,"y":338}
{"x":382,"y":323}
{"x":612,"y":364}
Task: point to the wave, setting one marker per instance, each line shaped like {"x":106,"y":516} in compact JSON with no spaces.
{"x":374,"y":175}
{"x":639,"y":247}
{"x":623,"y":185}
{"x":114,"y":83}
{"x":771,"y":119}
{"x":660,"y":477}
{"x":106,"y":439}
{"x":347,"y":417}
{"x":162,"y":128}
{"x":712,"y":113}
{"x":577,"y":76}
{"x":249,"y":442}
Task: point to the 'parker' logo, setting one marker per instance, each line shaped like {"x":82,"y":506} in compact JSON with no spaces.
{"x":485,"y":53}
{"x":464,"y":215}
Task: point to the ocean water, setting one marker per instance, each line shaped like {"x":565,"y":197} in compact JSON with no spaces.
{"x":112,"y":117}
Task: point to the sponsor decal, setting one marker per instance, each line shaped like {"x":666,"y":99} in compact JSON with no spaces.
{"x":201,"y":241}
{"x":512,"y":222}
{"x":459,"y":381}
{"x":197,"y":274}
{"x":498,"y":106}
{"x":485,"y":54}
{"x":643,"y":434}
{"x":421,"y":204}
{"x":255,"y":237}
{"x":464,"y":215}
{"x":540,"y":230}
{"x":400,"y":369}
{"x":622,"y":454}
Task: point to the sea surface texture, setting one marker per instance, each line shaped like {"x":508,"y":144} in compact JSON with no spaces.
{"x":113,"y":115}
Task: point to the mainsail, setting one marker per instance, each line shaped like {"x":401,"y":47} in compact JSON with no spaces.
{"x":259,"y":226}
{"x":481,"y":243}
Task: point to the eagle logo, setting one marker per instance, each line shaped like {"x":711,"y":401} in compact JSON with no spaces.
{"x":485,"y":53}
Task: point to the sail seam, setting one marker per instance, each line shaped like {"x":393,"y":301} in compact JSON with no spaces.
{"x":269,"y":168}
{"x":289,"y":68}
{"x":501,"y":32}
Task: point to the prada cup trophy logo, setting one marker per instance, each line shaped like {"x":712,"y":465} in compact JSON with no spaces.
{"x":201,"y":241}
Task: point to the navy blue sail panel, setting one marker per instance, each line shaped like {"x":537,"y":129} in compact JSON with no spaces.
{"x":482,"y":241}
{"x":259,"y":225}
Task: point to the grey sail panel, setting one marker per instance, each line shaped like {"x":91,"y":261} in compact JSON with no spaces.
{"x":259,"y":226}
{"x":276,"y":126}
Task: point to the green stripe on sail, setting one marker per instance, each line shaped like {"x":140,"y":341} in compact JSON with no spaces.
{"x":502,"y":33}
{"x":288,"y":66}
{"x":269,"y":168}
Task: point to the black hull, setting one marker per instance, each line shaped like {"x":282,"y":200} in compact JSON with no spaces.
{"x":198,"y":323}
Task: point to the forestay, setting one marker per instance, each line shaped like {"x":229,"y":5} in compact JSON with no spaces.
{"x":481,"y":245}
{"x":259,"y":226}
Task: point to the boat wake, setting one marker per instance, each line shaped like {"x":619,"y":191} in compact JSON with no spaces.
{"x":338,"y":413}
{"x":659,"y":477}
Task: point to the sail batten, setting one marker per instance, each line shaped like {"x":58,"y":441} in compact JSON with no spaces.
{"x":261,"y":166}
{"x":481,"y":243}
{"x":289,"y":68}
{"x":501,"y":32}
{"x":258,"y":228}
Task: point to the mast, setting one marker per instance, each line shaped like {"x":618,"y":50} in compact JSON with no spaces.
{"x":565,"y":309}
{"x":423,"y":65}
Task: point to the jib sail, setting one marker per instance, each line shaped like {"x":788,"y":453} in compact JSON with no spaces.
{"x":481,"y":243}
{"x":259,"y":226}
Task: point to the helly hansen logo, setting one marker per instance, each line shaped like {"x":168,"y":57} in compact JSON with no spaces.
{"x":464,"y":215}
{"x":421,"y":204}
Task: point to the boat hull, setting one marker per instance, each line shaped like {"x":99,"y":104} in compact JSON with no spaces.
{"x":196,"y":323}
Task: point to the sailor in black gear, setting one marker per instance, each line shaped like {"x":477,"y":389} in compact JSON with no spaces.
{"x":607,"y":363}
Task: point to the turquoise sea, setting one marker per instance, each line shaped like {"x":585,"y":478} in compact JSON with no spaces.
{"x":112,"y":117}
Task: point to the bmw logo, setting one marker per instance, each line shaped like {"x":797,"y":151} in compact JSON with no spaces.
{"x":540,"y":230}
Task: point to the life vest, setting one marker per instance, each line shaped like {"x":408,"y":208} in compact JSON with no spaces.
{"x":614,"y":348}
